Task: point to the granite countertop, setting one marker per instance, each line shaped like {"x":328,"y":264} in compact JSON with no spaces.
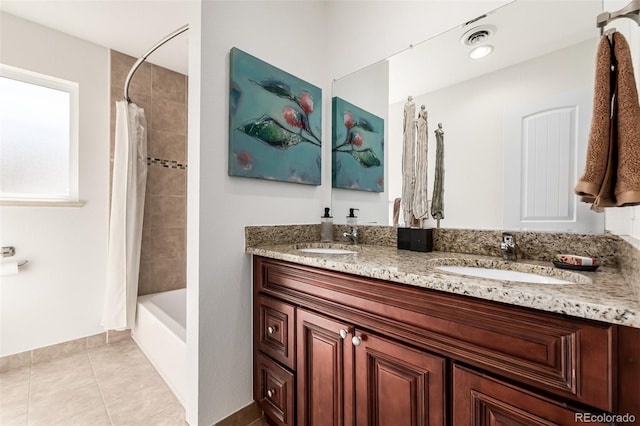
{"x":603,"y":295}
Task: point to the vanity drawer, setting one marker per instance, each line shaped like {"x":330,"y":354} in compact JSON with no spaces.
{"x":568,"y":357}
{"x":275,"y":330}
{"x":274,"y":390}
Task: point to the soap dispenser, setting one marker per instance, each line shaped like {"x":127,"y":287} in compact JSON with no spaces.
{"x":352,"y":219}
{"x":326,"y":227}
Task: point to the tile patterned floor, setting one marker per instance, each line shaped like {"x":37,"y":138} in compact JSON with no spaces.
{"x":112,"y":385}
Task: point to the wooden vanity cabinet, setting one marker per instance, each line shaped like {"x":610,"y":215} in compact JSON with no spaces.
{"x":423,"y":357}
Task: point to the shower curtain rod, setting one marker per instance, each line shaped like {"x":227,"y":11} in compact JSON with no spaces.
{"x":139,"y":62}
{"x":631,"y":11}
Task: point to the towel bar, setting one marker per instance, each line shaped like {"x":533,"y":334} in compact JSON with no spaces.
{"x":631,"y":11}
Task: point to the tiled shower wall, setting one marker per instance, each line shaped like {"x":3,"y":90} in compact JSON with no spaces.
{"x":163,"y":95}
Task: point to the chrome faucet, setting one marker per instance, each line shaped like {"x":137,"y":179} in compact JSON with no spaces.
{"x":353,"y":235}
{"x":508,"y":246}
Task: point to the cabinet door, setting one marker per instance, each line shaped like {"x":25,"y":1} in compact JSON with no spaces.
{"x":397,"y":385}
{"x":480,"y":400}
{"x":325,"y":371}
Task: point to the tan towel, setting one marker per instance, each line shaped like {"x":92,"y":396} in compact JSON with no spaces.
{"x":598,"y":152}
{"x":612,"y":171}
{"x":627,"y":189}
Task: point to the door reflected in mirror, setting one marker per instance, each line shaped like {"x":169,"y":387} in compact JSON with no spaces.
{"x":516,"y":121}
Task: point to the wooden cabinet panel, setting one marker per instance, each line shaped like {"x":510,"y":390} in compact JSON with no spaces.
{"x":274,"y":330}
{"x":480,"y":400}
{"x":628,"y":365}
{"x":324,"y":374}
{"x":567,"y":357}
{"x":273,"y":390}
{"x":397,"y":385}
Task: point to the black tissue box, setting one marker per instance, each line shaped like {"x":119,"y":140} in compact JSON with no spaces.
{"x":415,"y":239}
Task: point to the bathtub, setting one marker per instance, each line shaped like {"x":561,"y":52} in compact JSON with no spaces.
{"x":160,"y":332}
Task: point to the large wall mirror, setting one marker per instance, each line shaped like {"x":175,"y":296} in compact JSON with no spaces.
{"x":516,"y":121}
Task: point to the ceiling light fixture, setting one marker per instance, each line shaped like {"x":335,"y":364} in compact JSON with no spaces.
{"x":480,"y":51}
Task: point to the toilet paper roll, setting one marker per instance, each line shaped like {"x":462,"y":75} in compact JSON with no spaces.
{"x":8,"y":268}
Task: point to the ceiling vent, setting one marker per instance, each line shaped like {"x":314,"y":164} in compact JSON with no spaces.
{"x":478,"y":35}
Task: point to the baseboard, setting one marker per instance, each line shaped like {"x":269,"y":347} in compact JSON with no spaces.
{"x":242,"y":417}
{"x":60,"y":350}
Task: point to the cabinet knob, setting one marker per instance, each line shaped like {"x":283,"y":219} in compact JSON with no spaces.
{"x":272,"y":329}
{"x":356,"y":340}
{"x":270,"y":393}
{"x":344,"y":333}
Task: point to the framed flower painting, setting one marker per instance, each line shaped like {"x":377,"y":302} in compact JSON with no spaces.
{"x":357,"y":148}
{"x":275,"y":123}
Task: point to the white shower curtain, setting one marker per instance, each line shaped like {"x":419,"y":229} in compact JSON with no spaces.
{"x":127,"y":211}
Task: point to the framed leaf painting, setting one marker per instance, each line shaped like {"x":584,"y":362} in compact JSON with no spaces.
{"x":275,"y":123}
{"x":357,"y":148}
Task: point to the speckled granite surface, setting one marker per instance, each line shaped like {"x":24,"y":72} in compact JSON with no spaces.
{"x":613,"y":296}
{"x":603,"y":295}
{"x":629,"y":256}
{"x":531,"y":245}
{"x":283,"y":234}
{"x":280,"y":234}
{"x":371,"y":235}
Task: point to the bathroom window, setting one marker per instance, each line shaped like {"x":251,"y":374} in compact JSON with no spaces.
{"x":38,"y":137}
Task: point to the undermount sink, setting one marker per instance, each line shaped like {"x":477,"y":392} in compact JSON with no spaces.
{"x":326,"y":250}
{"x":503,"y":274}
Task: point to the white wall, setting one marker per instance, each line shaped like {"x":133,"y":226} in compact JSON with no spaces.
{"x":472,"y":117}
{"x":58,"y":297}
{"x":193,"y":222}
{"x":287,"y":35}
